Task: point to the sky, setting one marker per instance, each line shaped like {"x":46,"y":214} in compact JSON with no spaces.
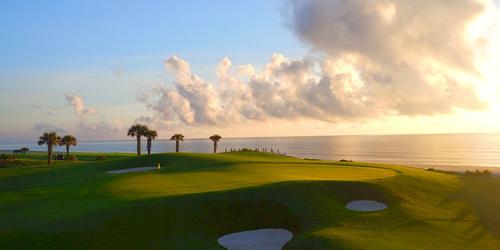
{"x":244,"y":69}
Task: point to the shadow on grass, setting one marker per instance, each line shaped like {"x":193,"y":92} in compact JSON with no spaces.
{"x":480,"y":196}
{"x":195,"y":221}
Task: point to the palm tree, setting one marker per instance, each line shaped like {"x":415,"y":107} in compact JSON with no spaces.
{"x":51,"y":139}
{"x":215,"y":139}
{"x":177,"y":138}
{"x":137,"y":130}
{"x":151,"y":135}
{"x":68,"y":141}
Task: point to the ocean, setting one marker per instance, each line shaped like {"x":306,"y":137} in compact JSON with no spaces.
{"x":442,"y":151}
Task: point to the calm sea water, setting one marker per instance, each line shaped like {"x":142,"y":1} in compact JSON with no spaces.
{"x":445,"y":151}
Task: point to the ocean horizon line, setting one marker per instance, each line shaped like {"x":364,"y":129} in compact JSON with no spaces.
{"x":271,"y":137}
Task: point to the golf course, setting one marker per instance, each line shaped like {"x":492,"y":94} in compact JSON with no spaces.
{"x":194,"y":199}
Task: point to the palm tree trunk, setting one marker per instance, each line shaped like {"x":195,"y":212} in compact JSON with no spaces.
{"x":215,"y":147}
{"x":149,"y":146}
{"x":177,"y":146}
{"x":138,"y":145}
{"x":67,"y":152}
{"x":49,"y":154}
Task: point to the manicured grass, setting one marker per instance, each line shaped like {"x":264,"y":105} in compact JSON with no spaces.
{"x":196,"y":198}
{"x":237,"y":176}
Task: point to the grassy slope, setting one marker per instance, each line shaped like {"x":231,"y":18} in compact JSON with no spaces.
{"x":198,"y":197}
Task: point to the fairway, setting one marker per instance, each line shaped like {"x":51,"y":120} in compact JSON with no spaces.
{"x":197,"y":198}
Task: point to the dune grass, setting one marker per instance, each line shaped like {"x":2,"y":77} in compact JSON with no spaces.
{"x":196,"y":198}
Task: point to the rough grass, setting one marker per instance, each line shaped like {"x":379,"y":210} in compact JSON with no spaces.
{"x":196,"y":198}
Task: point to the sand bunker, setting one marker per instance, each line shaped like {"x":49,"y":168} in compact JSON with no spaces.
{"x":366,"y":206}
{"x":130,"y":170}
{"x":262,"y":239}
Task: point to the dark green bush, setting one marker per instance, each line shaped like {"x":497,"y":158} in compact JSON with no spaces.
{"x":100,"y":158}
{"x":8,"y":158}
{"x":478,"y":172}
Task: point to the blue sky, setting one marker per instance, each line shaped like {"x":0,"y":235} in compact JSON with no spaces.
{"x":50,"y":48}
{"x":48,"y":35}
{"x":109,"y":52}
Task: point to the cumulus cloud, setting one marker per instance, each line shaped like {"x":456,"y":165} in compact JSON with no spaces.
{"x":424,"y":56}
{"x":77,"y":103}
{"x":376,"y":59}
{"x":245,"y":70}
{"x":388,"y":31}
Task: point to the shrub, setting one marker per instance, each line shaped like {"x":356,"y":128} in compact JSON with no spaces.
{"x":441,"y":171}
{"x":21,"y":150}
{"x":8,"y":158}
{"x":73,"y":158}
{"x":311,"y":159}
{"x":3,"y":163}
{"x":100,"y":158}
{"x":478,"y":172}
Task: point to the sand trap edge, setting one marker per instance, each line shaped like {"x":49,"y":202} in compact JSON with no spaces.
{"x":264,"y":239}
{"x":366,"y":206}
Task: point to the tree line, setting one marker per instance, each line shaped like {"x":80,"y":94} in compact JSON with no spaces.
{"x":139,"y":130}
{"x":51,"y":139}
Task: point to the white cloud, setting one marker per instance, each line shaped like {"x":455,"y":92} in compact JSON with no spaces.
{"x":388,"y":31}
{"x":376,"y":59}
{"x":245,"y":70}
{"x":77,"y":103}
{"x":194,"y":100}
{"x":427,"y":54}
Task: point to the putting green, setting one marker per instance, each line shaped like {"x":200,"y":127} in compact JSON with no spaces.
{"x":237,"y":176}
